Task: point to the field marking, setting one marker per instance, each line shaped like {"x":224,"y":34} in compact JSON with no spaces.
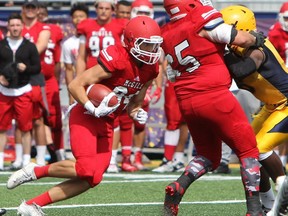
{"x":140,"y":178}
{"x":133,"y":204}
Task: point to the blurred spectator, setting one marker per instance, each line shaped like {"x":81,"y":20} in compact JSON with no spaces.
{"x":51,"y":69}
{"x":78,"y":12}
{"x":19,"y":59}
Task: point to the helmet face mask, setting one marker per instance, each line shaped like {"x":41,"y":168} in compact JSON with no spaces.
{"x":147,"y":50}
{"x":241,"y":17}
{"x":142,"y":39}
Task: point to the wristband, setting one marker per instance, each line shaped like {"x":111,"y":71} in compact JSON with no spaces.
{"x":89,"y":106}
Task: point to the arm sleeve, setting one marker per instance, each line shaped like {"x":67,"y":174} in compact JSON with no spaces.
{"x":239,"y":68}
{"x":35,"y":66}
{"x":222,"y":33}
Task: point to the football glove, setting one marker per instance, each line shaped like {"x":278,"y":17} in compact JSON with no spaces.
{"x":171,"y":74}
{"x":103,"y":109}
{"x":155,"y":97}
{"x":260,"y":38}
{"x":141,"y":116}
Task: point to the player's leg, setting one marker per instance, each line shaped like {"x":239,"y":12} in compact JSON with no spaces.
{"x":197,"y":167}
{"x":113,"y":166}
{"x":126,"y":139}
{"x":6,"y":116}
{"x":86,"y":172}
{"x":138,"y":141}
{"x":236,"y":132}
{"x":267,"y":141}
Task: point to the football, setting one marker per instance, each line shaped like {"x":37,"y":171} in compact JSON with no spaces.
{"x":96,"y":93}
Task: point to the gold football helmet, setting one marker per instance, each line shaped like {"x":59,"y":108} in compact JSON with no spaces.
{"x":239,"y":16}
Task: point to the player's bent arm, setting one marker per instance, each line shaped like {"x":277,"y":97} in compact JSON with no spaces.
{"x":81,"y":59}
{"x":136,"y":102}
{"x":225,"y":33}
{"x":243,"y":67}
{"x":90,"y":76}
{"x":43,"y":40}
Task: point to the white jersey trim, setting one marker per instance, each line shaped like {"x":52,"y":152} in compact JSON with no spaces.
{"x":221,"y":34}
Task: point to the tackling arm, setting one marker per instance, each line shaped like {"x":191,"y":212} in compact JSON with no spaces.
{"x":242,"y":67}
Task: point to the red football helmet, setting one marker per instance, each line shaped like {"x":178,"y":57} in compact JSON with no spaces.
{"x":283,"y":16}
{"x":142,"y":7}
{"x":142,"y":38}
{"x":177,"y":9}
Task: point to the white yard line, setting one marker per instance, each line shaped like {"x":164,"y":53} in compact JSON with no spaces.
{"x":139,"y":178}
{"x":132,"y":204}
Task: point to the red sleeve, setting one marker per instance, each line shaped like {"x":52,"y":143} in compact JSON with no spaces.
{"x":83,"y":25}
{"x":113,"y":58}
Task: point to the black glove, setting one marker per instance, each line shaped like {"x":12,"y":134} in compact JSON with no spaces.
{"x":260,"y":38}
{"x":10,"y":72}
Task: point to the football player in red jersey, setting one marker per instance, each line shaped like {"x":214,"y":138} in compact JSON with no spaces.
{"x":123,"y":125}
{"x":97,"y":34}
{"x":127,"y":70}
{"x":51,"y":69}
{"x":144,"y":8}
{"x":278,"y":36}
{"x":39,"y":34}
{"x":194,"y":45}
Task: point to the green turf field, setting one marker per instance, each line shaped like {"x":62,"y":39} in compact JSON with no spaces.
{"x":139,"y":194}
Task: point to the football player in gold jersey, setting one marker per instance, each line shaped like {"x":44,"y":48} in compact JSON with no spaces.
{"x":263,"y":72}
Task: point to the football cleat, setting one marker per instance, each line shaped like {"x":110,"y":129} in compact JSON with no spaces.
{"x":281,"y":201}
{"x":178,"y":166}
{"x":113,"y":168}
{"x":15,"y":166}
{"x":165,"y":166}
{"x":29,"y":210}
{"x":173,"y":195}
{"x":128,"y":167}
{"x":26,"y":174}
{"x":138,"y":161}
{"x":2,"y":211}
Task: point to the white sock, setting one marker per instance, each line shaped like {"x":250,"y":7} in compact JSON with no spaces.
{"x":171,"y":137}
{"x":60,"y":154}
{"x":18,"y":153}
{"x":136,"y":149}
{"x":2,"y":160}
{"x":113,"y":159}
{"x":267,"y":198}
{"x":179,"y":157}
{"x":41,"y":152}
{"x":26,"y":159}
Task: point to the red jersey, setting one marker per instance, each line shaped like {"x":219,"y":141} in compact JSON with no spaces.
{"x":279,"y":38}
{"x":99,"y":37}
{"x":127,"y":79}
{"x":199,"y":61}
{"x":32,"y":34}
{"x":53,"y":51}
